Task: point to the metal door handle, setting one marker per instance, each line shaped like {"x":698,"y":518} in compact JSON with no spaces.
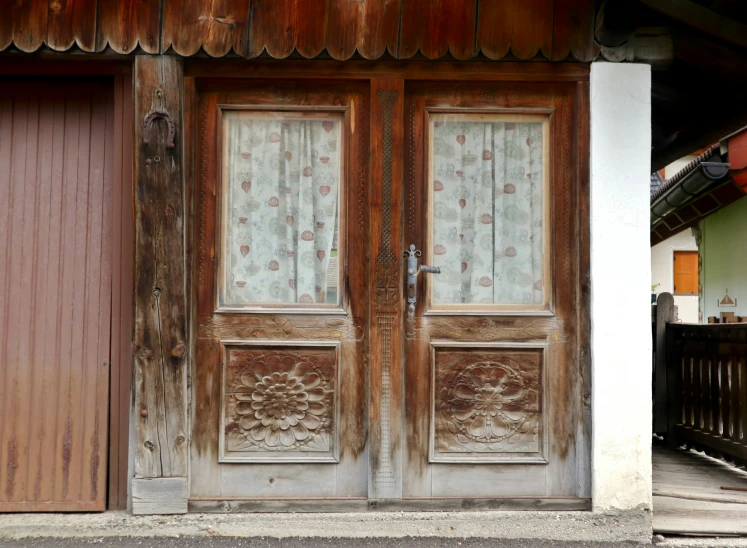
{"x":412,"y":275}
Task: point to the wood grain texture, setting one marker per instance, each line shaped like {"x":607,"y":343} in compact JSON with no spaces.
{"x":233,"y":335}
{"x":56,"y":147}
{"x":159,"y":496}
{"x":222,"y":25}
{"x":565,"y":411}
{"x":437,"y":27}
{"x":160,"y":339}
{"x":126,"y":25}
{"x":462,"y":29}
{"x":386,"y":299}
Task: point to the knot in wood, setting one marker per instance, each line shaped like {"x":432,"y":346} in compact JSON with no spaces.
{"x":144,"y":413}
{"x":169,"y":213}
{"x":149,"y":445}
{"x":144,"y":353}
{"x":180,"y":440}
{"x":157,"y":291}
{"x":55,"y":6}
{"x":178,"y":351}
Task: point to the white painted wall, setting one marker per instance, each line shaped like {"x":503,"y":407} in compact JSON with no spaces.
{"x":662,"y":272}
{"x":620,"y":298}
{"x":723,"y":255}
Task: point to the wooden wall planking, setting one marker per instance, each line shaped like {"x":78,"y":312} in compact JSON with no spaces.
{"x":554,"y":29}
{"x":56,"y":145}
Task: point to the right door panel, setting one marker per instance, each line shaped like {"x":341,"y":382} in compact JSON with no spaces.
{"x":494,"y":379}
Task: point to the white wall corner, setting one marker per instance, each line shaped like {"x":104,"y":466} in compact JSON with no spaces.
{"x":620,"y":108}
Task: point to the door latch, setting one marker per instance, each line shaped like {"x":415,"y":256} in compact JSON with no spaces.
{"x":412,"y":275}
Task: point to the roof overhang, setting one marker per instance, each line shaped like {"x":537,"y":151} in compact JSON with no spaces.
{"x":715,"y":179}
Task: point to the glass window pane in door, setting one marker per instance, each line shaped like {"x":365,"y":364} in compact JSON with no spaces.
{"x":488,"y":199}
{"x":281,"y":184}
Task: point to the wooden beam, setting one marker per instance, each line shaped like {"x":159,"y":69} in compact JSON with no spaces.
{"x":160,"y":340}
{"x":701,"y":18}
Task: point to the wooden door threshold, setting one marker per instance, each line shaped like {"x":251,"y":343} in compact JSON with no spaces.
{"x":404,"y":505}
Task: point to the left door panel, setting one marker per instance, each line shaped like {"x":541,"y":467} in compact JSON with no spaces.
{"x":281,"y":290}
{"x":56,"y":178}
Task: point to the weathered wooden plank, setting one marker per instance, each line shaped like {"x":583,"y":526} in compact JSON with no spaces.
{"x":437,"y":27}
{"x":124,"y":26}
{"x":380,"y":29}
{"x":217,"y":26}
{"x":385,"y":373}
{"x":160,"y":339}
{"x":664,"y":314}
{"x":523,"y":27}
{"x":29,"y":20}
{"x":159,"y":496}
{"x":273,"y":28}
{"x":70,"y":23}
{"x":343,"y":23}
{"x":573,"y":30}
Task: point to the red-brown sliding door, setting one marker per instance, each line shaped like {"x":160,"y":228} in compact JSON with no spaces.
{"x":56,"y":177}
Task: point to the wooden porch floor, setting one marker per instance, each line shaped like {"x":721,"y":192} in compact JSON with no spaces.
{"x":697,"y":495}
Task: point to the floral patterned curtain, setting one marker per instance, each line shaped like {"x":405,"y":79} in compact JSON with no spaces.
{"x":488,"y":212}
{"x":283,"y":176}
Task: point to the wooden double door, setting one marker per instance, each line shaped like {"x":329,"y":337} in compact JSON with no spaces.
{"x":333,"y":371}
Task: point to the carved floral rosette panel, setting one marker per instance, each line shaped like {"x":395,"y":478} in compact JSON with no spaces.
{"x":279,"y":404}
{"x":487,"y":405}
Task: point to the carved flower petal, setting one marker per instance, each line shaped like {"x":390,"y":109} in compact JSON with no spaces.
{"x":284,"y":378}
{"x":277,"y":378}
{"x":478,"y":426}
{"x":284,"y":423}
{"x":249,"y":380}
{"x":311,"y":422}
{"x":259,"y":387}
{"x":299,"y":413}
{"x":464,"y":411}
{"x":464,"y":391}
{"x":244,"y":408}
{"x":317,"y":394}
{"x":260,"y":412}
{"x":498,"y":426}
{"x":286,"y":438}
{"x":247,"y":423}
{"x":513,"y":389}
{"x":292,"y":383}
{"x":302,"y":406}
{"x":292,"y":419}
{"x":256,"y":396}
{"x":513,"y":410}
{"x":302,"y":369}
{"x":267,"y":420}
{"x":317,"y":408}
{"x":301,"y":432}
{"x":311,"y":380}
{"x":302,"y":396}
{"x":259,"y":432}
{"x":267,"y":381}
{"x":258,"y":405}
{"x":243,"y":397}
{"x":272,"y":438}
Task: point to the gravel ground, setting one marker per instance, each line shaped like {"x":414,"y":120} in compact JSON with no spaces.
{"x":427,"y":526}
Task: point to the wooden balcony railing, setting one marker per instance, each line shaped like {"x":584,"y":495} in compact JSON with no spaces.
{"x":706,"y":389}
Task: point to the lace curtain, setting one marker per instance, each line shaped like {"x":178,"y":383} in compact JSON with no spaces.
{"x":283,"y":177}
{"x":488,"y":212}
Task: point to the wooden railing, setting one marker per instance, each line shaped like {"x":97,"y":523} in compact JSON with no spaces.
{"x":706,"y":389}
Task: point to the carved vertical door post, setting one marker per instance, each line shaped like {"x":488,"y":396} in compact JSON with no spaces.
{"x":160,"y":340}
{"x":387,"y":144}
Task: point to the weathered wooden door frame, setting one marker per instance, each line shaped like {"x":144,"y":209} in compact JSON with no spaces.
{"x":122,"y":250}
{"x":161,"y":480}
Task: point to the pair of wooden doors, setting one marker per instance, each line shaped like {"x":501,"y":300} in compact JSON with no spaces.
{"x":329,"y":364}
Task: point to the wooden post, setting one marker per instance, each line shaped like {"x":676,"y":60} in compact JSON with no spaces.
{"x":664,"y":314}
{"x":160,"y":343}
